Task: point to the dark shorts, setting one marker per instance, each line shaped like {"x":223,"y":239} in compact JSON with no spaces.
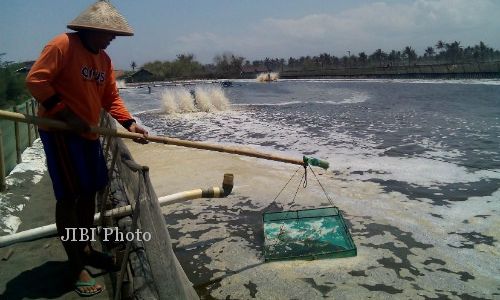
{"x":76,"y":165}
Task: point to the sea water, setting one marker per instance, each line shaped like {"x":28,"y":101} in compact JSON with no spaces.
{"x":435,"y":139}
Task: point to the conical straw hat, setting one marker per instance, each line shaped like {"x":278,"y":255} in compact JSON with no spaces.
{"x":102,"y":16}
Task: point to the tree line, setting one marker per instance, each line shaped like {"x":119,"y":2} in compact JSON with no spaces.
{"x":12,"y":87}
{"x":229,"y":65}
{"x":186,"y":67}
{"x":441,"y":53}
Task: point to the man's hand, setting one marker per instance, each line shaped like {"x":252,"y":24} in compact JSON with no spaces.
{"x":69,"y":117}
{"x":138,"y":129}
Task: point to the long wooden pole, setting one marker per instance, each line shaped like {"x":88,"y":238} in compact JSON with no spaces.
{"x":17,"y":117}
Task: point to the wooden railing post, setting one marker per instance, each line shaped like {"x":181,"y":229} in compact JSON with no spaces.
{"x":2,"y":164}
{"x":18,"y":140}
{"x":30,"y":139}
{"x":33,"y":111}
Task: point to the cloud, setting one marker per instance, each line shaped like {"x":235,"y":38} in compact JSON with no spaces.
{"x":363,"y":28}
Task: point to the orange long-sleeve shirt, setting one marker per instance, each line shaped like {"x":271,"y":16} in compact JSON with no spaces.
{"x":84,"y":81}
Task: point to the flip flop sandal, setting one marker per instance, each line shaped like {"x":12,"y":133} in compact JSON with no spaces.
{"x":101,"y":260}
{"x":81,"y":293}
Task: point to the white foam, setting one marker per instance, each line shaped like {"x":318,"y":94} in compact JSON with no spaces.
{"x":355,"y":97}
{"x":204,"y":99}
{"x":267,"y":77}
{"x":11,"y":223}
{"x":414,"y":171}
{"x":121,"y":84}
{"x":33,"y":164}
{"x":272,"y":104}
{"x":33,"y":159}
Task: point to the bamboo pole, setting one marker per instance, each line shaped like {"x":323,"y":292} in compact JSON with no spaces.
{"x":17,"y":117}
{"x":18,"y":140}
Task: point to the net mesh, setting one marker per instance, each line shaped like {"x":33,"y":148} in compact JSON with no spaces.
{"x":160,"y":274}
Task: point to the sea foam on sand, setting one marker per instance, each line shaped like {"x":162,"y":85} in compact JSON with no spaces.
{"x":28,"y":172}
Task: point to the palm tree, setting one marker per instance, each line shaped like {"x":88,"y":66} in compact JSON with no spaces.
{"x":324,"y":59}
{"x":133,"y":65}
{"x":378,"y":55}
{"x":394,"y":56}
{"x":410,"y":54}
{"x":429,"y":52}
{"x":440,"y":45}
{"x":363,"y":58}
{"x":454,"y":51}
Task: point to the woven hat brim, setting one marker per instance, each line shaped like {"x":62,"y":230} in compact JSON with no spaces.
{"x":115,"y":32}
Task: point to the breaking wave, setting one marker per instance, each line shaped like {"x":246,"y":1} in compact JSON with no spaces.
{"x":266,"y":77}
{"x":199,"y":99}
{"x":121,"y":84}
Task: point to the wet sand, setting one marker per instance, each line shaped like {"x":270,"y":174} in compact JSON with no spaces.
{"x":407,"y":249}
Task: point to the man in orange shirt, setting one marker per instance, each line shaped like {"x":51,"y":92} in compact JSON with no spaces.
{"x":73,"y":80}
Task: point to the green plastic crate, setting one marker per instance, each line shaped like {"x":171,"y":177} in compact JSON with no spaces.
{"x":307,"y":234}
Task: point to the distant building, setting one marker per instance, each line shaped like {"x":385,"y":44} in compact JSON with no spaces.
{"x":140,"y":76}
{"x":25,"y":67}
{"x":119,"y":74}
{"x":252,"y":71}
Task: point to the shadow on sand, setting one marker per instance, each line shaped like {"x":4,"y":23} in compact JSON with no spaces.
{"x":45,"y":281}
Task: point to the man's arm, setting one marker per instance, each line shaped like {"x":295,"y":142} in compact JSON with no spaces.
{"x":42,"y":74}
{"x":40,"y":84}
{"x":113,"y":104}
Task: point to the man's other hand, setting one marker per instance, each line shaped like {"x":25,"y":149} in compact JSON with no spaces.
{"x":69,"y":117}
{"x":138,"y":129}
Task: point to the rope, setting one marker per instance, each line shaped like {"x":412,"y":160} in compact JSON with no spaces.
{"x":298,"y":186}
{"x":304,"y":185}
{"x":274,"y":200}
{"x":323,"y":188}
{"x":303,"y":181}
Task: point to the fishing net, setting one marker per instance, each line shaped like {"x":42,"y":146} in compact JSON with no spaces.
{"x":157,"y":274}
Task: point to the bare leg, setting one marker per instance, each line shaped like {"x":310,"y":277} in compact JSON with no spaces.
{"x":66,"y":217}
{"x":76,"y":215}
{"x":86,"y":211}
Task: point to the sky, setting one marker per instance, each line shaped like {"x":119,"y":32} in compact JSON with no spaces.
{"x":257,"y":29}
